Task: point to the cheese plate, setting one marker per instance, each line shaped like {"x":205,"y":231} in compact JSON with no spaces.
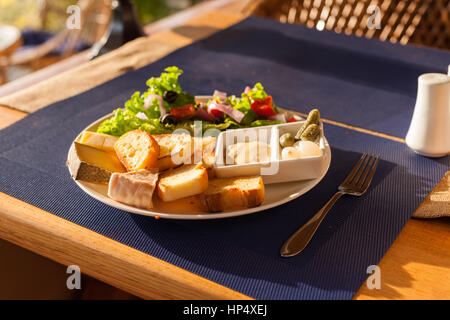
{"x":169,"y":154}
{"x":190,"y":208}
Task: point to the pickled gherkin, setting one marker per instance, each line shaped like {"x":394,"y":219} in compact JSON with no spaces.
{"x":286,"y":140}
{"x":313,"y":118}
{"x":311,"y":133}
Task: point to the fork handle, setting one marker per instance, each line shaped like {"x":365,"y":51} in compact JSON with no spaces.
{"x":300,"y":239}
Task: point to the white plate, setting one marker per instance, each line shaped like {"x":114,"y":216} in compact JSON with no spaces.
{"x":275,"y":194}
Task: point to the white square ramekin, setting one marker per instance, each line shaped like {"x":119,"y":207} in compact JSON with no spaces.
{"x":276,"y":170}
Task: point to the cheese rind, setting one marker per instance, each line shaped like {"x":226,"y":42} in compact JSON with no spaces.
{"x":91,"y":164}
{"x":133,"y":188}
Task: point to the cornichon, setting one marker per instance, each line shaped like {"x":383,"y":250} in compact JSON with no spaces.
{"x":286,"y":140}
{"x":313,"y":118}
{"x":310,"y":133}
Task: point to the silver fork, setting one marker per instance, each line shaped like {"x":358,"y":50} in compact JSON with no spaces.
{"x":356,"y":184}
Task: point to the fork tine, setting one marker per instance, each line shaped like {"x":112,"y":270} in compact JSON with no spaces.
{"x":354,"y":170}
{"x":372,"y":172}
{"x":354,"y":182}
{"x":363,"y":177}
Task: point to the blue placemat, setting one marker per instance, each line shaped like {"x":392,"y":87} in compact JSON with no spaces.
{"x":240,"y":253}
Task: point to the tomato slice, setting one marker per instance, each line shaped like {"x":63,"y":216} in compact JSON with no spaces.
{"x":216,"y":113}
{"x":292,"y":119}
{"x":183,"y":112}
{"x":264,"y":107}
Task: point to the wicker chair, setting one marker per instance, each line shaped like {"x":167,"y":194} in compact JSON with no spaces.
{"x":423,"y":22}
{"x":95,"y":22}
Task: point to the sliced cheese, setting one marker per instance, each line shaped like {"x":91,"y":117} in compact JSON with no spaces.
{"x":133,"y":188}
{"x":185,"y":181}
{"x":98,"y":140}
{"x":91,"y":164}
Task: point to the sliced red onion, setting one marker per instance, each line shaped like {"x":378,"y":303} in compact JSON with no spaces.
{"x":149,"y":100}
{"x":141,"y":116}
{"x":247,"y":89}
{"x":221,"y":95}
{"x":233,"y":113}
{"x":279,"y":117}
{"x":203,"y":114}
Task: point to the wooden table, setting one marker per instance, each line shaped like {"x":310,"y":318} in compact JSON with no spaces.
{"x":417,"y":266}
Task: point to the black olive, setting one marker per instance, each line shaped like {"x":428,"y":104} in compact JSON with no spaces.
{"x":170,"y":96}
{"x":217,"y":121}
{"x":168,"y":119}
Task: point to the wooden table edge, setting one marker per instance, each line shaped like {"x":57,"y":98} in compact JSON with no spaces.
{"x":103,"y":258}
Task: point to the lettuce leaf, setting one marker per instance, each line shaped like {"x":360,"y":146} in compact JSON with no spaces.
{"x":261,"y":123}
{"x":125,"y":120}
{"x":255,"y":93}
{"x":167,"y":81}
{"x":189,"y":126}
{"x":183,"y":99}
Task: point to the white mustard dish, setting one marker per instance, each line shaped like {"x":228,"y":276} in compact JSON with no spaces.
{"x":276,"y":170}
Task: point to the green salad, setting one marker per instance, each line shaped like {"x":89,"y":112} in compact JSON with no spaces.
{"x":165,"y":107}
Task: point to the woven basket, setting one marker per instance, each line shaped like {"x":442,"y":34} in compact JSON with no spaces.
{"x":423,"y":22}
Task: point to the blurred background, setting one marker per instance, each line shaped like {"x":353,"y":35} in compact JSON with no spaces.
{"x":28,"y":13}
{"x":44,"y":38}
{"x":33,"y":33}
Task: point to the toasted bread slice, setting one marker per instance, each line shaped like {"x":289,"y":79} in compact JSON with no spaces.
{"x":166,"y":163}
{"x":137,"y":150}
{"x":174,"y":150}
{"x":133,"y":188}
{"x":178,"y":149}
{"x":170,"y":144}
{"x":182,"y":182}
{"x":233,"y":193}
{"x":206,"y":149}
